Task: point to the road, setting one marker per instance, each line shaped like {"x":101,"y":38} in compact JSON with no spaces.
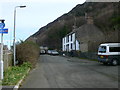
{"x":63,"y":72}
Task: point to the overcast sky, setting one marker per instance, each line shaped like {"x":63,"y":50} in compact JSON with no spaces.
{"x":37,"y":14}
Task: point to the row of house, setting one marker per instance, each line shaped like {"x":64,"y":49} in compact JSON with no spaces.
{"x":86,"y":38}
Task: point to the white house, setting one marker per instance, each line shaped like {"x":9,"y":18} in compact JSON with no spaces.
{"x":69,"y":42}
{"x":86,"y":38}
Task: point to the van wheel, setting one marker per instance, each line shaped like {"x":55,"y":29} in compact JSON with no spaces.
{"x":114,"y":62}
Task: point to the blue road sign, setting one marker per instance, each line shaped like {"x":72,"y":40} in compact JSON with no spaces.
{"x":2,"y":25}
{"x":4,"y":31}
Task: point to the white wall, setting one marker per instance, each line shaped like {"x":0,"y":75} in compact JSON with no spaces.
{"x":77,"y":45}
{"x":64,"y":44}
{"x":74,"y":42}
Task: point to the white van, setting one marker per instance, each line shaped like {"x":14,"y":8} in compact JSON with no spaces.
{"x":109,"y":53}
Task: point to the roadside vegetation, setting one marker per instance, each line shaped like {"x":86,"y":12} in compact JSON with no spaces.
{"x":116,"y":22}
{"x":14,"y":74}
{"x":89,"y":59}
{"x":27,"y":52}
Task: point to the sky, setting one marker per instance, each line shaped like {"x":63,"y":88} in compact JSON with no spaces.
{"x":35,"y":15}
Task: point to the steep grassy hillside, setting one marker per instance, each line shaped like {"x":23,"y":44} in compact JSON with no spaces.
{"x":105,"y":15}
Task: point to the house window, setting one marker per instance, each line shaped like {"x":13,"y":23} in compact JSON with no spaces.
{"x":68,"y":38}
{"x":68,"y":47}
{"x":71,"y":46}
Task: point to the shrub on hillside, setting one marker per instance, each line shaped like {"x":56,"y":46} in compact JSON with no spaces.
{"x":27,"y":51}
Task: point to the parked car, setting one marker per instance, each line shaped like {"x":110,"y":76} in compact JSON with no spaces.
{"x":42,"y":51}
{"x":54,"y":52}
{"x":109,"y":53}
{"x":49,"y":52}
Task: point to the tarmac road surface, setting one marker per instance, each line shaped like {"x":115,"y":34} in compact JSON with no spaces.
{"x":62,"y":72}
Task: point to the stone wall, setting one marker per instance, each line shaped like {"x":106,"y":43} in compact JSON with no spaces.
{"x":87,"y":55}
{"x":7,"y":60}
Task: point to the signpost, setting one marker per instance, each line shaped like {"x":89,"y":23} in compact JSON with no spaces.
{"x":2,"y":25}
{"x":2,"y":31}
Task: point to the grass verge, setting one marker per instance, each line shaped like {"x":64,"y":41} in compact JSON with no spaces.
{"x":14,"y":74}
{"x":89,"y":59}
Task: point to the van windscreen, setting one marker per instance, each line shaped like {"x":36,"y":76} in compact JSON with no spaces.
{"x":102,"y":49}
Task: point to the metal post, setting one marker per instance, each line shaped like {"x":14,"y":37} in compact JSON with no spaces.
{"x":1,"y":55}
{"x":14,"y":46}
{"x":1,"y":60}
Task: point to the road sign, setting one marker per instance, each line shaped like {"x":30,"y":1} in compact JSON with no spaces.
{"x":4,"y":31}
{"x":2,"y":25}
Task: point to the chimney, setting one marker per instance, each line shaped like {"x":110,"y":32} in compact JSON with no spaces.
{"x":89,"y":19}
{"x":74,"y":26}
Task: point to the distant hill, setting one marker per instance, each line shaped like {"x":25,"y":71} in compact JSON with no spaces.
{"x":105,"y":16}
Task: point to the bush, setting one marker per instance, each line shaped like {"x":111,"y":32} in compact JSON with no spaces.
{"x":27,"y":51}
{"x":116,"y":22}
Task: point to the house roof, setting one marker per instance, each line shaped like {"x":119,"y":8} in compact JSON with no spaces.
{"x":70,"y":33}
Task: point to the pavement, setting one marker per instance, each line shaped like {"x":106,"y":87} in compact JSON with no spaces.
{"x":7,"y":87}
{"x":65,"y":72}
